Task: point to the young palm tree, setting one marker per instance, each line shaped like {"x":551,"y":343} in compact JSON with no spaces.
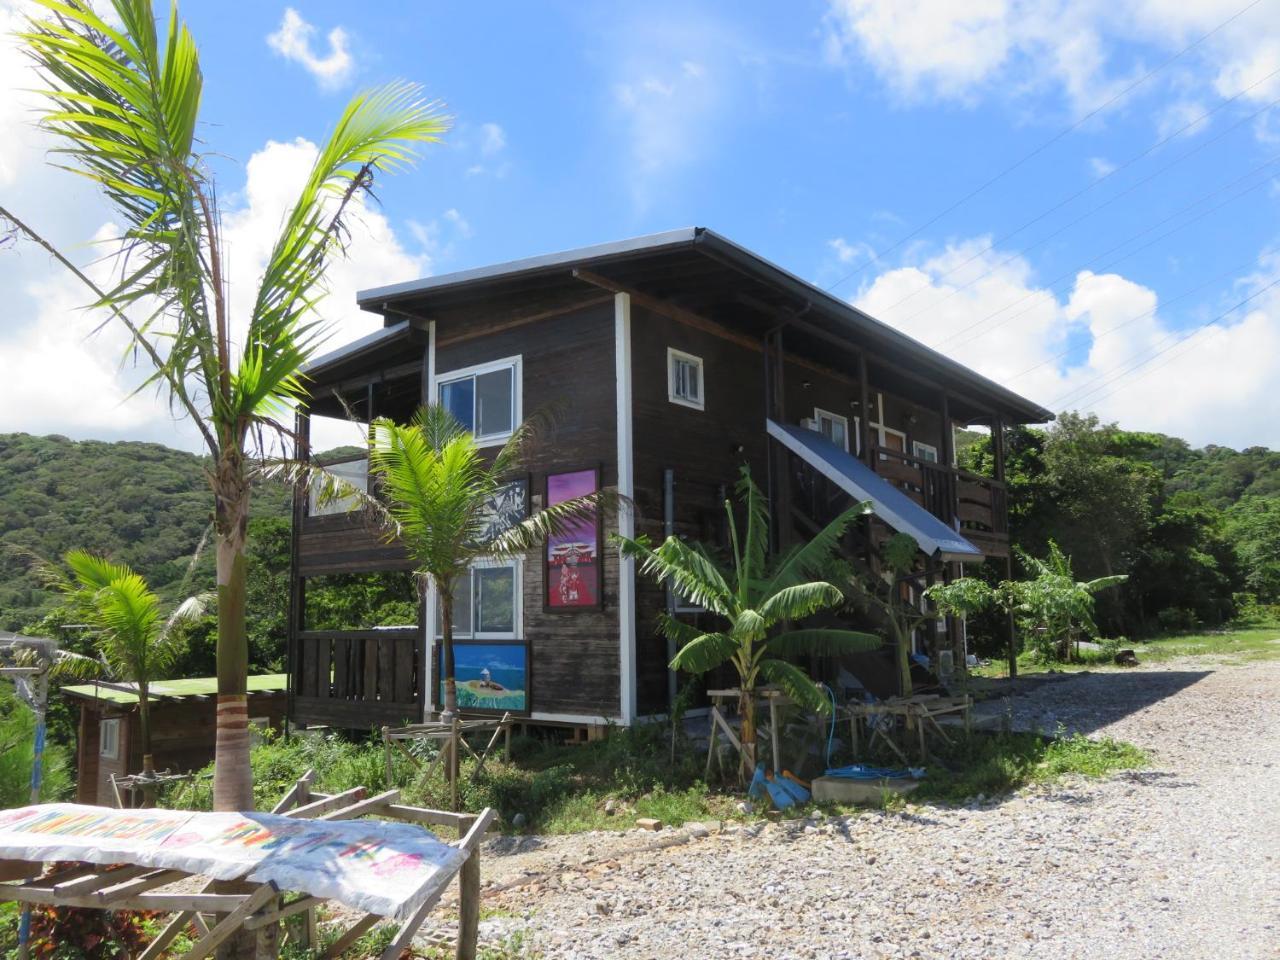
{"x":439,"y":488}
{"x":126,"y":106}
{"x":136,"y":640}
{"x":755,"y":594}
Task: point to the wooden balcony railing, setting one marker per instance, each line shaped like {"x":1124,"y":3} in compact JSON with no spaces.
{"x":974,"y":504}
{"x":357,"y":677}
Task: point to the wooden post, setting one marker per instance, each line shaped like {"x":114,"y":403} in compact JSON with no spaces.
{"x":453,"y":763}
{"x":773,"y":735}
{"x":864,"y":406}
{"x":468,"y":906}
{"x":386,"y":754}
{"x":1013,"y":636}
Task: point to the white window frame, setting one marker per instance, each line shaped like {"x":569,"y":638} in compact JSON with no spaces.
{"x":885,"y":431}
{"x":819,"y":413}
{"x":112,"y":724}
{"x":515,"y":364}
{"x":919,"y":445}
{"x":700,"y":403}
{"x":517,"y":614}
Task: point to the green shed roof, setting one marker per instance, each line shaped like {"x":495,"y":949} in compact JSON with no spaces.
{"x":127,"y":694}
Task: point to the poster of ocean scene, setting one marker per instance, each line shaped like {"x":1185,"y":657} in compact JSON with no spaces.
{"x":489,"y":676}
{"x":573,"y":564}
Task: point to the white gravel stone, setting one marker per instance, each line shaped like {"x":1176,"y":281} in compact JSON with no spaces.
{"x":1181,"y":860}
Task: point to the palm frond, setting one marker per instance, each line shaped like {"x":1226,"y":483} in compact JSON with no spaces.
{"x":796,"y":683}
{"x":755,"y":547}
{"x":705,"y":652}
{"x":693,"y":573}
{"x":812,"y":559}
{"x":800,"y":601}
{"x":822,"y":642}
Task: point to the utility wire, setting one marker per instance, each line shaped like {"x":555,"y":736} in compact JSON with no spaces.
{"x":1068,"y":274}
{"x":1045,"y":145}
{"x":1146,"y":314}
{"x":1106,"y":203}
{"x":1088,"y":389}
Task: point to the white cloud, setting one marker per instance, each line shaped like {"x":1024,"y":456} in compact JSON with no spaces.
{"x":293,"y":42}
{"x":961,"y":51}
{"x":493,"y":139}
{"x":673,"y":85}
{"x":1101,"y":167}
{"x":1084,"y":347}
{"x":1182,"y":116}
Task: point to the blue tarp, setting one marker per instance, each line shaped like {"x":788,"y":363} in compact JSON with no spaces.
{"x":862,"y":483}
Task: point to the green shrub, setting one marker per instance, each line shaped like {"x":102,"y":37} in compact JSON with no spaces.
{"x":17,"y":749}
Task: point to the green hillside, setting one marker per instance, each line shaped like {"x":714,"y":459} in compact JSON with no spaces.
{"x":142,"y":503}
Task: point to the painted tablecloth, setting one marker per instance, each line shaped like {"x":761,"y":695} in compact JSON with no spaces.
{"x":371,"y":865}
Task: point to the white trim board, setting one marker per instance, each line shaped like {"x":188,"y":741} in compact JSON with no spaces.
{"x":626,"y":519}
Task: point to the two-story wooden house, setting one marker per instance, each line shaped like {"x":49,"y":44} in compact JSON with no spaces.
{"x":669,"y":360}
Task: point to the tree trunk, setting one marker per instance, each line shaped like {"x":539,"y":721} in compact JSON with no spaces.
{"x":747,"y":716}
{"x":144,"y":735}
{"x":450,"y":690}
{"x":232,"y":775}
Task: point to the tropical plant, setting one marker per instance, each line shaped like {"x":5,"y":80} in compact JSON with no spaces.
{"x":125,"y":106}
{"x":886,"y":596}
{"x":753,"y":594}
{"x":1053,"y":607}
{"x":440,"y":489}
{"x":135,"y":639}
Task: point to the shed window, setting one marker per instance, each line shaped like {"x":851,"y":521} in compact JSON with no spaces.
{"x":486,"y":603}
{"x":109,"y":739}
{"x":485,"y":398}
{"x":684,"y":379}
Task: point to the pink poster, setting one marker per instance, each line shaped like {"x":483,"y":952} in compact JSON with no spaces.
{"x":573,"y":556}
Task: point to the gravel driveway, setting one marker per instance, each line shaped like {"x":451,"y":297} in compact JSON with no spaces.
{"x":1180,"y":860}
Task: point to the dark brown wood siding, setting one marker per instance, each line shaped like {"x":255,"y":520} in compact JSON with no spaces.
{"x":567,"y":369}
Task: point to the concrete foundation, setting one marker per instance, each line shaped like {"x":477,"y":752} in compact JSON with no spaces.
{"x":841,"y":790}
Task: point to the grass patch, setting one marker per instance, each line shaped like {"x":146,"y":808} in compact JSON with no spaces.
{"x":1239,"y":644}
{"x":995,"y":765}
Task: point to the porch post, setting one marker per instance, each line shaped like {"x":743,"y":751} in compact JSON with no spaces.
{"x":427,"y":607}
{"x":297,"y":587}
{"x":864,"y":408}
{"x":626,"y":517}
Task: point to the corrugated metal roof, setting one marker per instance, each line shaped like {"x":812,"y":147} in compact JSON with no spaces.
{"x":733,"y":257}
{"x":127,"y":693}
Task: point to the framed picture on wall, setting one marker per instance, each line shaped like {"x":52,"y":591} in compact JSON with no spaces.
{"x":571,"y":566}
{"x":507,"y":507}
{"x":490,"y":677}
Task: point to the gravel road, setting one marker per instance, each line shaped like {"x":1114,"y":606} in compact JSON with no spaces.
{"x":1181,"y":860}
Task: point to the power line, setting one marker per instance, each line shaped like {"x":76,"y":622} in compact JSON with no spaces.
{"x":1079,"y":193}
{"x":1072,"y":272}
{"x":1091,"y":387}
{"x":1044,"y":146}
{"x":1134,"y":319}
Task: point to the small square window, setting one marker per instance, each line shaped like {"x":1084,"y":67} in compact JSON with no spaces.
{"x":109,"y":739}
{"x":685,"y":380}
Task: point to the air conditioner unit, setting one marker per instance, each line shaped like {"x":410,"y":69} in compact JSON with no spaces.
{"x":810,"y":424}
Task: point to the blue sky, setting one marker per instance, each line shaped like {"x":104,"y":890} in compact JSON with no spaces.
{"x":818,"y":134}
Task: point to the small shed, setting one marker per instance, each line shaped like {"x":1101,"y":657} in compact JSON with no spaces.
{"x":183,"y":713}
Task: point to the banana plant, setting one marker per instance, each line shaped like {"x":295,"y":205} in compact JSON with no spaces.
{"x":757,"y":598}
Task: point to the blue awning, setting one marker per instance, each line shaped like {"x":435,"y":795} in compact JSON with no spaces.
{"x":887,"y":502}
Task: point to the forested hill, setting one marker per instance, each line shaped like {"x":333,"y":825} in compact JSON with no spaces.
{"x":142,"y":503}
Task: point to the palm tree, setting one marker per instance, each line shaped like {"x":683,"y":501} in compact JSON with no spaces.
{"x":126,"y":108}
{"x":136,"y":640}
{"x":439,"y":487}
{"x":753,"y":595}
